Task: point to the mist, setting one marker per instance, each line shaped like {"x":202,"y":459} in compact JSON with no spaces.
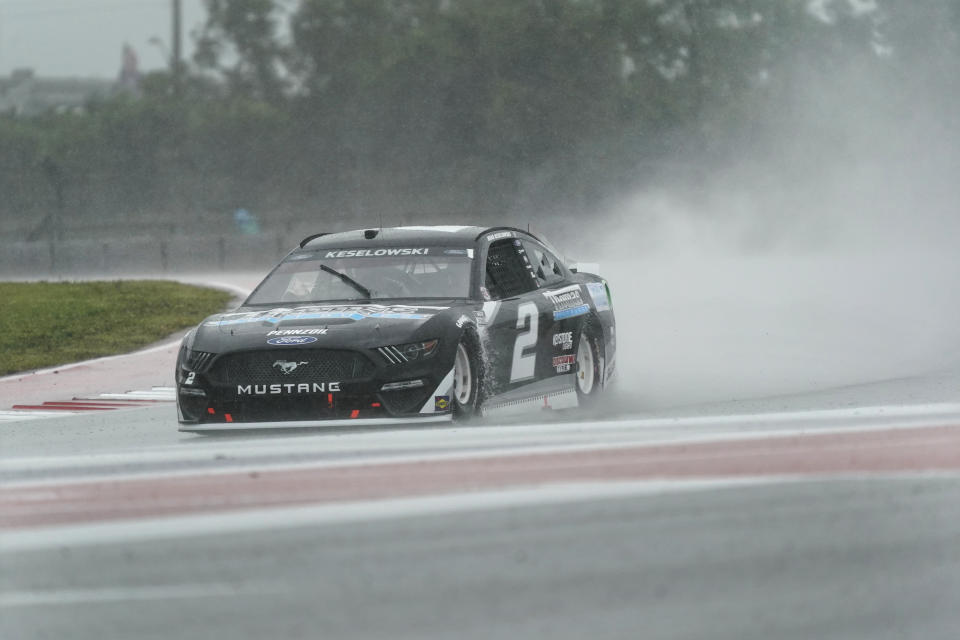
{"x":821,"y":254}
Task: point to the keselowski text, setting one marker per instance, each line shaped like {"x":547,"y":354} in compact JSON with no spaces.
{"x":375,"y":253}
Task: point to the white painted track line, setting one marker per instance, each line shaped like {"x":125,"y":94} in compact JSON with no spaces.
{"x":16,"y":415}
{"x":454,"y":442}
{"x":154,"y":395}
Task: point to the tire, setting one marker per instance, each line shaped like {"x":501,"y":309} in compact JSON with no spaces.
{"x":589,"y":382}
{"x":467,"y":378}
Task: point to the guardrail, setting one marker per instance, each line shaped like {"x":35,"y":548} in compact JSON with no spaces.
{"x":142,"y":255}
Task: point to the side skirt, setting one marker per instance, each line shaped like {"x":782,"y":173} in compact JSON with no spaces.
{"x":558,"y":392}
{"x":313,"y":424}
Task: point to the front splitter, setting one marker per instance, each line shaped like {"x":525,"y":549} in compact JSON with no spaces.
{"x":313,"y":424}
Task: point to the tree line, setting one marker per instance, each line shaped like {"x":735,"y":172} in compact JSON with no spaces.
{"x":464,"y":109}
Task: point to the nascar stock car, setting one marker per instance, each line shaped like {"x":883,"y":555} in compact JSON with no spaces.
{"x":379,"y":326}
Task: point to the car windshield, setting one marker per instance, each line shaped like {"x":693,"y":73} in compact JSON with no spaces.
{"x":367,"y":274}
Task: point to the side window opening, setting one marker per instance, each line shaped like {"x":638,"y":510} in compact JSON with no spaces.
{"x":507,"y":274}
{"x":546,"y":267}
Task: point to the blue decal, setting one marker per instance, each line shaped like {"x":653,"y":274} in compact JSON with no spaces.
{"x":571,"y":313}
{"x":312,"y":315}
{"x":286,"y":341}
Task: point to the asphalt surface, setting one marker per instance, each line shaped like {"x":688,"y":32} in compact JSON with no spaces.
{"x":869,"y":559}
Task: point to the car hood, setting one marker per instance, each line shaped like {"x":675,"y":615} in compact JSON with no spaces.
{"x":362,"y":325}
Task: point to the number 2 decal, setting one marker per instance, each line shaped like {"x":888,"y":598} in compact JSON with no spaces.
{"x":528,"y":317}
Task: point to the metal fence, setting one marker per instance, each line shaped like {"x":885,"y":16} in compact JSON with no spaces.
{"x":142,"y":255}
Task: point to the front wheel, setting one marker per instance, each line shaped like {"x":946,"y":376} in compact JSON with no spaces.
{"x":467,"y":378}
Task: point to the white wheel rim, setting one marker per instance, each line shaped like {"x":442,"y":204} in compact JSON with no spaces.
{"x":585,"y":373}
{"x":462,"y":380}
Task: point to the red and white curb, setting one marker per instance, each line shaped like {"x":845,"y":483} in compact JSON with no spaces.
{"x":85,"y":404}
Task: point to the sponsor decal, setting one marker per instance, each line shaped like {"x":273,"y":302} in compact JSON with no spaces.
{"x":292,"y":388}
{"x":598,"y":291}
{"x":563,"y":363}
{"x":499,"y":235}
{"x":288,"y":341}
{"x":441,"y":403}
{"x":462,"y":320}
{"x":315,"y":312}
{"x":454,"y":252}
{"x":376,"y":253}
{"x":563,"y":340}
{"x":571,"y":313}
{"x":298,"y":332}
{"x":287,"y":367}
{"x":567,"y":302}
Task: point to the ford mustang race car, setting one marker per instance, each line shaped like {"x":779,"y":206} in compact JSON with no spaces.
{"x":379,"y":326}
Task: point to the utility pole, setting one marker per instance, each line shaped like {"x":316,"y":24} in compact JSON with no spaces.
{"x":176,"y":66}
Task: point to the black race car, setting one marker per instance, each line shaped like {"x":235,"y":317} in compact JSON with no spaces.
{"x":379,"y":326}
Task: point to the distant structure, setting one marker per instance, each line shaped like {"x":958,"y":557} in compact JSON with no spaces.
{"x":23,"y":94}
{"x":129,"y":78}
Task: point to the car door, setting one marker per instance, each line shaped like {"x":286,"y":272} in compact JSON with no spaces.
{"x":566,"y":309}
{"x":518,"y":319}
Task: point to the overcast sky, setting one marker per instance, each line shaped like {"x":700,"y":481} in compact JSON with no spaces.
{"x":85,"y":37}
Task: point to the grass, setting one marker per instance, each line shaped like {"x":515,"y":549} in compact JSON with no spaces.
{"x":43,"y":324}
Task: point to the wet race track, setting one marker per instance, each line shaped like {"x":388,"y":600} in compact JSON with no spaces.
{"x":777,"y":501}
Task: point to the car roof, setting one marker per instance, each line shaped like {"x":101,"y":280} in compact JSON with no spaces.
{"x":460,"y":236}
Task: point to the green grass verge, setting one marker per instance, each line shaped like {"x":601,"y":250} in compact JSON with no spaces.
{"x":43,"y":324}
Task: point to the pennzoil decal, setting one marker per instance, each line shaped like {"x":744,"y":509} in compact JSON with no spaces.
{"x":298,"y":332}
{"x":441,"y":403}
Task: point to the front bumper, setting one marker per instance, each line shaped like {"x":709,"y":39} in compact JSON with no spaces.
{"x":212,"y":395}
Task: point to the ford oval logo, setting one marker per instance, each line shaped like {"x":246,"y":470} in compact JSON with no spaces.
{"x":286,"y":341}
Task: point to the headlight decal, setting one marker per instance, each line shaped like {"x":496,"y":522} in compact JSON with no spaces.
{"x":411,"y":351}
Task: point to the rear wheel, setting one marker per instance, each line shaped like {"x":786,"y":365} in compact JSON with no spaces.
{"x":467,"y":378}
{"x":589,"y":369}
